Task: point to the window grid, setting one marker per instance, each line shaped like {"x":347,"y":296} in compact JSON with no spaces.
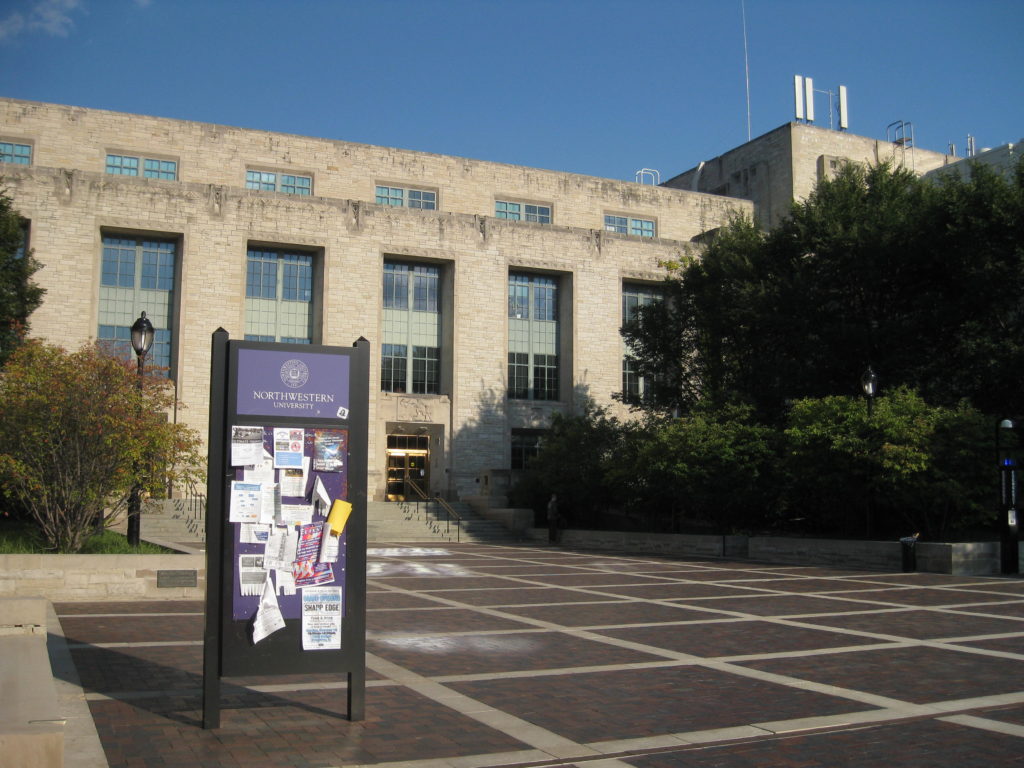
{"x":160,"y":169}
{"x":629,"y":226}
{"x":393,"y":367}
{"x":525,"y":447}
{"x":279,"y":296}
{"x":426,"y":370}
{"x":412,"y":328}
{"x":533,"y":337}
{"x":19,"y":154}
{"x":540,"y":214}
{"x":268,"y":181}
{"x":120,"y":165}
{"x":411,"y":198}
{"x":634,"y":386}
{"x":137,"y":274}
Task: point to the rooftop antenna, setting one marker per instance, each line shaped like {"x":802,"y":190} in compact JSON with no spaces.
{"x":746,"y":61}
{"x":803,"y":97}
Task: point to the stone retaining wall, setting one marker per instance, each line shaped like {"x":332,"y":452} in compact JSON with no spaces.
{"x":103,"y":577}
{"x":970,"y":558}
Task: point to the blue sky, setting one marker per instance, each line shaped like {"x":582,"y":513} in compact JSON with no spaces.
{"x":595,"y":87}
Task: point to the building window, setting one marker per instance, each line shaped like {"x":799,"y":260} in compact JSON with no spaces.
{"x":409,"y":198}
{"x":634,"y":386}
{"x":152,"y":168}
{"x":625,"y":225}
{"x":19,"y":154}
{"x":525,"y":447}
{"x":270,"y":181}
{"x":412,"y":328}
{"x":279,"y":296}
{"x":533,"y":337}
{"x":137,"y":275}
{"x":540,"y":214}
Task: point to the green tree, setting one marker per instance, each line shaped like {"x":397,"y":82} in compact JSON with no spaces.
{"x":76,"y":432}
{"x":910,"y":467}
{"x":19,"y":295}
{"x":920,"y":279}
{"x":713,"y":467}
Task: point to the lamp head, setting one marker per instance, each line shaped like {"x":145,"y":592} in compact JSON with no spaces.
{"x":869,"y":382}
{"x":142,"y":335}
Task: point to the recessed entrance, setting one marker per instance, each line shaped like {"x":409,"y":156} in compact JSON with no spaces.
{"x":408,"y":467}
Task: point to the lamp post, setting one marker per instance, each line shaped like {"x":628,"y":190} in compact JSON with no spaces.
{"x":869,"y":384}
{"x":1007,"y":452}
{"x":142,"y":340}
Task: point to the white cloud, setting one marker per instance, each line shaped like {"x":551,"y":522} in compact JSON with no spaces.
{"x":51,"y":17}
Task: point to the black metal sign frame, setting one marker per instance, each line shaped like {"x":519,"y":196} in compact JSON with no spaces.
{"x":228,"y":648}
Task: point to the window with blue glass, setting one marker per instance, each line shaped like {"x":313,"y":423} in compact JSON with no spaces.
{"x":272,"y":181}
{"x":634,"y":296}
{"x":152,"y":168}
{"x":12,"y":152}
{"x":513,"y":211}
{"x":406,"y":197}
{"x":626,"y":225}
{"x":279,"y":295}
{"x":412,"y":328}
{"x":137,"y":274}
{"x":533,"y":337}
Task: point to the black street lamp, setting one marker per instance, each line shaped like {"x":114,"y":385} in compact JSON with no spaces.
{"x":142,"y":340}
{"x":1008,"y":453}
{"x":869,"y":384}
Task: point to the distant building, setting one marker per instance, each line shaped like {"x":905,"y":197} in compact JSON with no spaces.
{"x":1003,"y":159}
{"x":492,"y":294}
{"x":784,"y":165}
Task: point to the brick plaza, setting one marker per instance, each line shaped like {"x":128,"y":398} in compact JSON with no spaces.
{"x":533,"y":656}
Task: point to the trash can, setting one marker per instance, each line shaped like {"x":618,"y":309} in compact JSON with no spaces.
{"x":908,"y":547}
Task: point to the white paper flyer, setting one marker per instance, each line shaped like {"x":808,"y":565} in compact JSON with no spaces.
{"x":245,"y":502}
{"x":321,"y":618}
{"x":268,"y":615}
{"x":246,"y":445}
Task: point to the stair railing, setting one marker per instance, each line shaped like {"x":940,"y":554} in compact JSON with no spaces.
{"x":449,"y":513}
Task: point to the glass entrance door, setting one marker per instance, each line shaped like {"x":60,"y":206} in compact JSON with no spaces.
{"x":408,"y":467}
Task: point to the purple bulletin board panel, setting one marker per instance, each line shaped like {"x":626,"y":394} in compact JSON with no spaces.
{"x":293,"y":383}
{"x":336,"y":483}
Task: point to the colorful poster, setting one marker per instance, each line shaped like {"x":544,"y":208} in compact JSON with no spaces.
{"x":328,"y":450}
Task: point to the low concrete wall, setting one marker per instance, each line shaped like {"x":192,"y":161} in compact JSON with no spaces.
{"x":103,"y":577}
{"x":31,"y":726}
{"x":645,"y":543}
{"x":514,"y":519}
{"x":971,"y":558}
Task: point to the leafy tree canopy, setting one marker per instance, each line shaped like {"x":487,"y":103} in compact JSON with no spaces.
{"x":19,"y":295}
{"x":76,"y":432}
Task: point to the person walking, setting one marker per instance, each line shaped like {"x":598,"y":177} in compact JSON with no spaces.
{"x":553,"y":520}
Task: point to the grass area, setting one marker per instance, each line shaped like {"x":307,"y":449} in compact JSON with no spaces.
{"x":19,"y":537}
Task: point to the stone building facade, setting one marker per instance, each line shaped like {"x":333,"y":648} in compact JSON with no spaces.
{"x":784,"y":165}
{"x":492,"y":294}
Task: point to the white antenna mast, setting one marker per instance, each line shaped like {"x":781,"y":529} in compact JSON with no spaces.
{"x":746,"y":62}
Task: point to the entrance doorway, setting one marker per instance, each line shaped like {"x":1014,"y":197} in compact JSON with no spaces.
{"x":408,"y":467}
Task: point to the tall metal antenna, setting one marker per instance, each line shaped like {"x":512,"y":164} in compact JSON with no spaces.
{"x":746,"y":61}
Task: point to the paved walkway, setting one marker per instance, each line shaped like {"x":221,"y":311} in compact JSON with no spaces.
{"x":530,"y":656}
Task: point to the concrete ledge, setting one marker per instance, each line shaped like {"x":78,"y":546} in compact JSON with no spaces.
{"x":98,"y":577}
{"x":515,"y":520}
{"x":962,"y":559}
{"x":31,"y":727}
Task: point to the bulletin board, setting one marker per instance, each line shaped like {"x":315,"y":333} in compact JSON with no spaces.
{"x":286,"y":518}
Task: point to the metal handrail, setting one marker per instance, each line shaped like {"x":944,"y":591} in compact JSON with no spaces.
{"x":450,"y":513}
